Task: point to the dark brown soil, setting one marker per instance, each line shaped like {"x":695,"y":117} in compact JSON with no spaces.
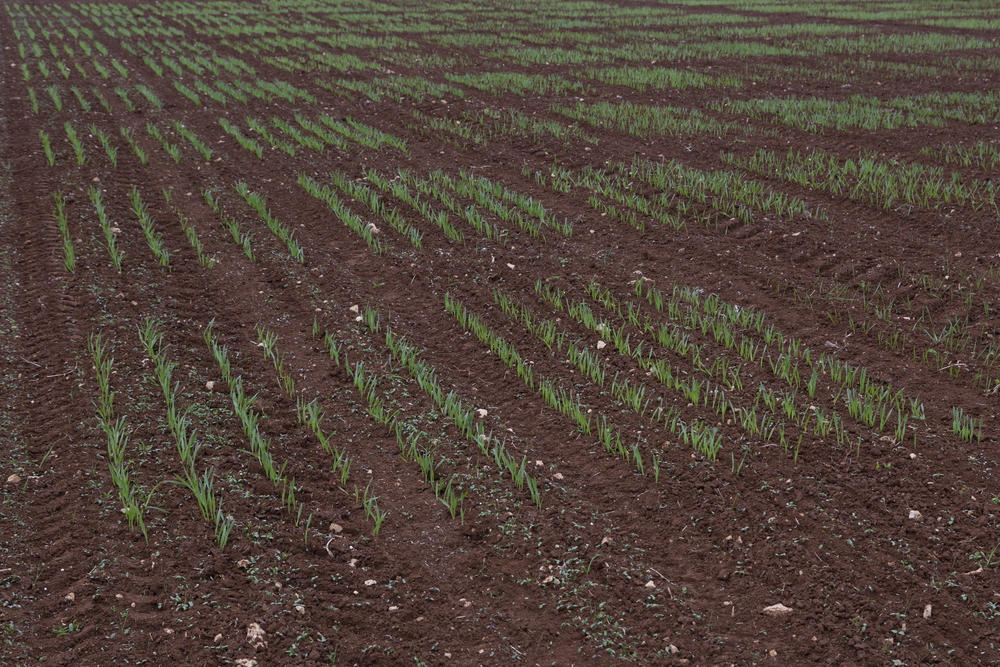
{"x":614,"y":565}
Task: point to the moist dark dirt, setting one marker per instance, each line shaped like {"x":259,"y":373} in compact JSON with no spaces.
{"x":614,"y":565}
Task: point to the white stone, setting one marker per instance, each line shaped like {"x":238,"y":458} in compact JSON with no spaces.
{"x":256,"y":636}
{"x":777,"y":610}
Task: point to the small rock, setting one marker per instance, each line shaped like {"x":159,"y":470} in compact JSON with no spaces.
{"x":210,"y":385}
{"x":336,"y":528}
{"x":558,"y":475}
{"x":510,"y":266}
{"x":772,"y":653}
{"x":539,"y":463}
{"x":915,"y":515}
{"x":168,"y":631}
{"x":601,"y":345}
{"x":913,"y":455}
{"x":927,"y":611}
{"x":246,"y":662}
{"x":300,"y":608}
{"x":370,"y":582}
{"x":606,"y":540}
{"x":256,"y":636}
{"x":672,"y":649}
{"x":277,"y":585}
{"x":243,"y":563}
{"x":777,"y":610}
{"x":393,"y":608}
{"x":71,"y":597}
{"x":355,"y":309}
{"x":14,"y":479}
{"x":217,"y":638}
{"x":481,"y":412}
{"x":650,"y":584}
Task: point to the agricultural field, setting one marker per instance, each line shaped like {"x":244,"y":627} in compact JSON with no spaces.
{"x":499,"y":333}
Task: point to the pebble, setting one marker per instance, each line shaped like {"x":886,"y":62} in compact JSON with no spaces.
{"x":256,"y":635}
{"x":777,"y":610}
{"x":14,"y":479}
{"x":916,"y":515}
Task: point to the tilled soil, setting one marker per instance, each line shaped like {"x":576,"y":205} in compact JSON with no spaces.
{"x":881,"y":549}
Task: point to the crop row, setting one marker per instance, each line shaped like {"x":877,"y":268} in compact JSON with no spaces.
{"x":869,"y":178}
{"x":178,"y":423}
